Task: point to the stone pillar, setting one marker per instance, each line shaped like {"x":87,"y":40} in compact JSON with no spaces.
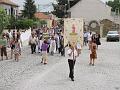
{"x":101,"y":30}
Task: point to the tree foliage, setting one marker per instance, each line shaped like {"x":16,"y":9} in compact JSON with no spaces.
{"x":114,"y":4}
{"x":24,"y":23}
{"x":27,"y":23}
{"x":4,"y":19}
{"x":29,"y":9}
{"x":12,"y":23}
{"x":60,"y":9}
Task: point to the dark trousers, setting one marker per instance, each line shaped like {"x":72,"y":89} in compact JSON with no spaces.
{"x":33,"y":48}
{"x":3,"y":51}
{"x":48,"y":49}
{"x":85,"y":41}
{"x":71,"y":67}
{"x":62,"y":50}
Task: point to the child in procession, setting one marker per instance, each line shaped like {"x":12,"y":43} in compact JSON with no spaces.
{"x":44,"y":48}
{"x":93,"y":54}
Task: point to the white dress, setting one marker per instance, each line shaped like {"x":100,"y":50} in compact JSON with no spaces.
{"x":52,"y":46}
{"x":40,"y":42}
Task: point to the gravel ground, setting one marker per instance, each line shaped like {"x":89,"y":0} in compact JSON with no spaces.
{"x":30,"y":74}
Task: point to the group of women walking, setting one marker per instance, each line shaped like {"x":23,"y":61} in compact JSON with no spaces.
{"x":12,"y":41}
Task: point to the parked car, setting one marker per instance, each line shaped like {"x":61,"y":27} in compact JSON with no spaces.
{"x":113,"y":36}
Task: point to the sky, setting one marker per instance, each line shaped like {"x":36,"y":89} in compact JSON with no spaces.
{"x":45,"y":5}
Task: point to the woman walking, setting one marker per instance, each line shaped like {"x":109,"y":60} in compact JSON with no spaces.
{"x":52,"y":46}
{"x":89,"y":40}
{"x":40,"y":42}
{"x":17,"y":50}
{"x":33,"y":42}
{"x":97,"y":37}
{"x":4,"y":48}
{"x":12,"y":45}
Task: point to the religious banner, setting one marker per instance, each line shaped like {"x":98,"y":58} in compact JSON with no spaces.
{"x":73,"y":31}
{"x":49,"y":23}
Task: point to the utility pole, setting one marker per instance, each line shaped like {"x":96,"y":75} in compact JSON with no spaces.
{"x":69,"y":13}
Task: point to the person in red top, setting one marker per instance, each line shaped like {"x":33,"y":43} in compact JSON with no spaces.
{"x":93,"y":54}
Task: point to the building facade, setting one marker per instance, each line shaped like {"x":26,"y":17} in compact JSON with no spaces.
{"x":91,"y":10}
{"x":10,"y":7}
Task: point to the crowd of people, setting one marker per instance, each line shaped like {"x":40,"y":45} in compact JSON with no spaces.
{"x":44,"y":40}
{"x":50,"y":41}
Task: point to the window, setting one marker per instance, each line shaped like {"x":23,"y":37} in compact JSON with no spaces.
{"x":9,"y":12}
{"x":6,"y":11}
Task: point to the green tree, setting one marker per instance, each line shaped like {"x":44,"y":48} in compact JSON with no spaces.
{"x":60,"y":9}
{"x":39,"y":23}
{"x":12,"y":22}
{"x":115,"y":5}
{"x":24,"y":23}
{"x":29,"y":9}
{"x":4,"y":19}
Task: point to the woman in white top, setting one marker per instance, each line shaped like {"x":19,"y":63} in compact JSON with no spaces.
{"x":90,"y":40}
{"x":40,"y":42}
{"x":52,"y":46}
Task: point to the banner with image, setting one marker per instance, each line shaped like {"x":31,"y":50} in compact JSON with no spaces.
{"x":73,"y":31}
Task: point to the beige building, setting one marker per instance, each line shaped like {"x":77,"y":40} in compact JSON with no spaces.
{"x":93,"y":12}
{"x":10,"y":7}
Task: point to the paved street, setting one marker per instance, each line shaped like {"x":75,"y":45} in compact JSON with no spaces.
{"x":30,"y":74}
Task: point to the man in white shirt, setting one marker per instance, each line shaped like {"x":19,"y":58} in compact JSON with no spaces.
{"x":85,"y":38}
{"x":89,"y":39}
{"x":73,"y":53}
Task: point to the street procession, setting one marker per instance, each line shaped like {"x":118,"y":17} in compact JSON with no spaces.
{"x":59,"y":45}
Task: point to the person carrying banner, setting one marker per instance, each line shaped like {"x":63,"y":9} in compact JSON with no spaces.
{"x":73,"y":54}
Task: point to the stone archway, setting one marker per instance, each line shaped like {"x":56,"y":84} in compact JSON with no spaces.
{"x":94,"y":26}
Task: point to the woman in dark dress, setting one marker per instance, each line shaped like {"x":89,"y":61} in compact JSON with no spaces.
{"x":98,"y":40}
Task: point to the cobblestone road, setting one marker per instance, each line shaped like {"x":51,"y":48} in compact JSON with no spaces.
{"x":30,"y":74}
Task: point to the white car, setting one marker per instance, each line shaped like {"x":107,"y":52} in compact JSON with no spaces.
{"x":113,"y":36}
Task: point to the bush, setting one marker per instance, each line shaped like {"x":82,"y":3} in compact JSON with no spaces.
{"x":24,"y":23}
